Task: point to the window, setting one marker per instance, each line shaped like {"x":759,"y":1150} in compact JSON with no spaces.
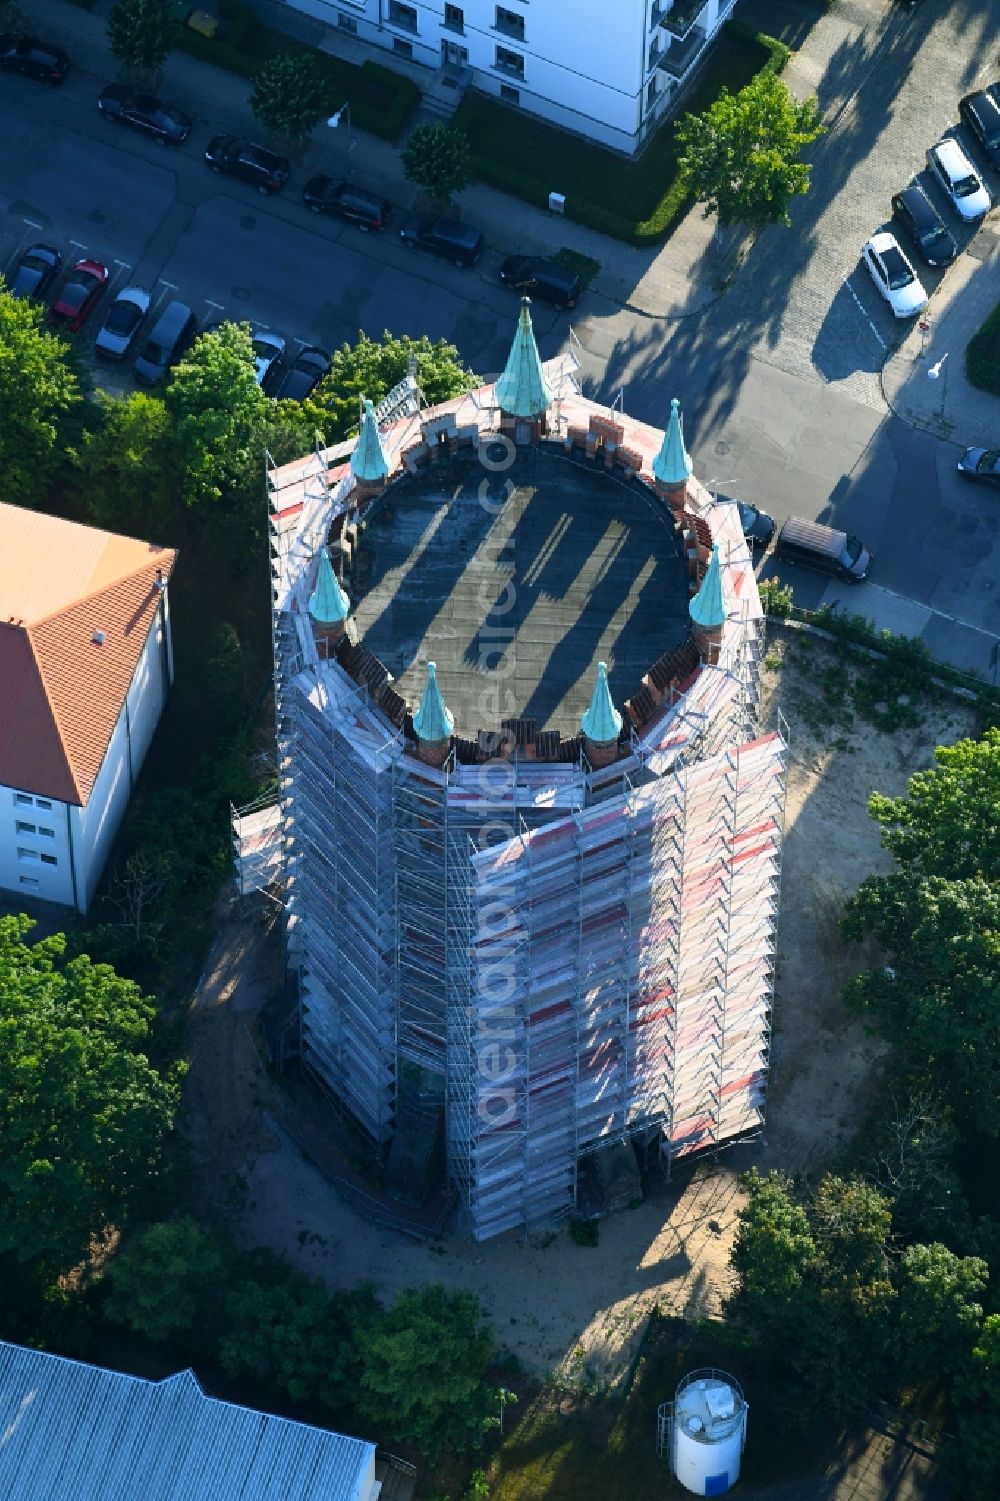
{"x":404,"y":16}
{"x":25,"y":828}
{"x":23,"y":800}
{"x":454,"y":18}
{"x":347,"y":23}
{"x":650,"y":93}
{"x":401,"y":48}
{"x":46,"y":833}
{"x":28,"y":856}
{"x":31,"y":881}
{"x":42,"y":802}
{"x":509,"y":62}
{"x":510,"y":23}
{"x":654,"y":52}
{"x":49,"y":860}
{"x":510,"y":94}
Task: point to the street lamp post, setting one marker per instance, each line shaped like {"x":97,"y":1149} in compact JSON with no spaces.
{"x":937,"y":371}
{"x":343,"y":116}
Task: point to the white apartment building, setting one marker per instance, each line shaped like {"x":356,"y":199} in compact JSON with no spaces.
{"x":85,"y":665}
{"x":604,"y":68}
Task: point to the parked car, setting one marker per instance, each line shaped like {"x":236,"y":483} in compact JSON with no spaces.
{"x":164,"y":122}
{"x":461,"y":243}
{"x":238,"y":157}
{"x":893,"y":275}
{"x":303,"y":375}
{"x":324,"y":195}
{"x":959,"y":179}
{"x":35,"y":59}
{"x":546,"y":280}
{"x":981,"y":464}
{"x":171,"y":334}
{"x":117,"y":333}
{"x":758,"y":526}
{"x":35,"y":272}
{"x":268,"y":351}
{"x":923,"y":224}
{"x":824,"y":548}
{"x":79,"y":295}
{"x":981,"y":115}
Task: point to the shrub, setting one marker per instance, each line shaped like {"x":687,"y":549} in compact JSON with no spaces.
{"x":982,"y":355}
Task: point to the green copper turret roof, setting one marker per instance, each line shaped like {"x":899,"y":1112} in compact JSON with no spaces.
{"x":328,"y":604}
{"x":672,"y":465}
{"x":368,"y":461}
{"x":433,"y":721}
{"x":708,"y":608}
{"x":522,"y":390}
{"x":602,"y":721}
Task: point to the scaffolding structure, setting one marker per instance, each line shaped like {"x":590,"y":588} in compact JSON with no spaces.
{"x":599,"y":974}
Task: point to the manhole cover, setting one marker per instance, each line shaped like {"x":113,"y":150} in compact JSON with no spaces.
{"x":722,"y":447}
{"x":248,"y":221}
{"x":242,"y":294}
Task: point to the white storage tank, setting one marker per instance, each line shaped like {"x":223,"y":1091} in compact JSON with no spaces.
{"x":703,"y":1431}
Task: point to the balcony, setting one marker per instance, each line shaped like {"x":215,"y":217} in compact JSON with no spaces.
{"x":682,"y":16}
{"x":681,"y":53}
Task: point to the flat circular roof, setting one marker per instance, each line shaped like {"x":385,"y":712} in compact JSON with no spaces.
{"x":517,"y":584}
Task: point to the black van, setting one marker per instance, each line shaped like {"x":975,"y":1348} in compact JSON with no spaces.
{"x":171,"y":334}
{"x":461,"y":243}
{"x":823,"y":548}
{"x":914,"y":211}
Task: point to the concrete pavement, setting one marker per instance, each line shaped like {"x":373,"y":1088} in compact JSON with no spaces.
{"x":948,"y":405}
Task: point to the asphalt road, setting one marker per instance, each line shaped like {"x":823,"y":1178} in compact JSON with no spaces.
{"x":778,"y":378}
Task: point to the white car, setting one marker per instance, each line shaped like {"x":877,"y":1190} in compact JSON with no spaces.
{"x":268,"y":352}
{"x":960,"y":180}
{"x":121,"y":325}
{"x":893,"y":275}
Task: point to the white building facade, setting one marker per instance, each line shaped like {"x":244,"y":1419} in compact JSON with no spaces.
{"x":607,"y":71}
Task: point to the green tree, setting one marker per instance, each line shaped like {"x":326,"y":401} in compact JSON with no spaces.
{"x":39,"y":392}
{"x":975,"y":1456}
{"x":165,"y":1281}
{"x":83,"y":1114}
{"x":814,"y":1287}
{"x":741,"y":156}
{"x":141,"y":33}
{"x":218,"y":413}
{"x":425,"y":1368}
{"x":290,"y":95}
{"x":124,"y":462}
{"x":938,"y":917}
{"x":372,"y":367}
{"x":437,"y":159}
{"x":948,"y":822}
{"x":938,"y":1311}
{"x":286,"y":1332}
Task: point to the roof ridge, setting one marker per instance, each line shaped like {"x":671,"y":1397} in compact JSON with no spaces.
{"x":122,"y":578}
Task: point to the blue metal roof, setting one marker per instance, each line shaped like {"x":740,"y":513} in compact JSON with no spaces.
{"x":77,"y":1431}
{"x":522,"y":390}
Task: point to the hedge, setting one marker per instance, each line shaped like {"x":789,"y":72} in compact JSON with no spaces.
{"x":381,"y":101}
{"x":639,"y":201}
{"x":982,"y":355}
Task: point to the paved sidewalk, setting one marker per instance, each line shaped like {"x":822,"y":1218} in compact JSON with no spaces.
{"x":948,"y":405}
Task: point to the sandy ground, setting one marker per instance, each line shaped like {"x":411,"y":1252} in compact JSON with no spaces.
{"x":560,"y":1307}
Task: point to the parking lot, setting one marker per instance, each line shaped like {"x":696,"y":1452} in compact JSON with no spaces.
{"x":157,"y":217}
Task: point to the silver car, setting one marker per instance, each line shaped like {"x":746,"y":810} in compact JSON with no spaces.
{"x":118,"y":331}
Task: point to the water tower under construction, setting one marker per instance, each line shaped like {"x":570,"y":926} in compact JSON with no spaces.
{"x":528,"y":831}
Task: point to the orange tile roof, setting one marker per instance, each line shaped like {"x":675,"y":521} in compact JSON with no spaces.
{"x":60,"y":691}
